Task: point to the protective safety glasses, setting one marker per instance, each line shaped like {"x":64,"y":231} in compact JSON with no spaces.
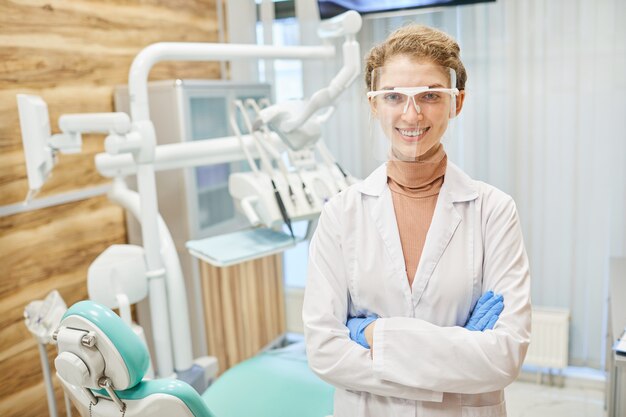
{"x":399,"y":98}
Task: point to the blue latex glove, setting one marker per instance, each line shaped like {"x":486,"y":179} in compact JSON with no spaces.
{"x":486,"y":312}
{"x":357,"y":326}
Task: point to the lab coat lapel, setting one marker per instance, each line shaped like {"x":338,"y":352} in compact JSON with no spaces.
{"x":384,"y":217}
{"x":380,"y":207}
{"x":443,"y":225}
{"x":457,"y":188}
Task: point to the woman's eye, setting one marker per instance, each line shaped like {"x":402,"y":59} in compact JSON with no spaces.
{"x":393,"y":98}
{"x":431,"y":97}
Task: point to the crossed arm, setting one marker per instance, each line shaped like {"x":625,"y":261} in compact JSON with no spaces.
{"x":450,"y":359}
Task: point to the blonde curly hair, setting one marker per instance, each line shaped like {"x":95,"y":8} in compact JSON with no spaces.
{"x":420,"y":43}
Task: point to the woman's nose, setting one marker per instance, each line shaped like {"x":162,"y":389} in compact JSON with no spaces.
{"x":412,"y":110}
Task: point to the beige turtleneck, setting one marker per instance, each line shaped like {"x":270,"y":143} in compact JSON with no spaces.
{"x":414,"y":188}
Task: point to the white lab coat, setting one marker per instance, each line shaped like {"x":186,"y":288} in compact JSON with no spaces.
{"x":424,"y":362}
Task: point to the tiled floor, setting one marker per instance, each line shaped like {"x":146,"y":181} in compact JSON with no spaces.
{"x":526,"y":399}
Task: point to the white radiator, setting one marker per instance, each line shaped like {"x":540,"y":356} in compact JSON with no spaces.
{"x":549,"y":338}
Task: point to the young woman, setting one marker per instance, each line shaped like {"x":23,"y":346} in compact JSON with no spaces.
{"x":399,"y":262}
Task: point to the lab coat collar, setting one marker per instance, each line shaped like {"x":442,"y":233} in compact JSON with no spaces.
{"x":457,"y":184}
{"x":457,"y":187}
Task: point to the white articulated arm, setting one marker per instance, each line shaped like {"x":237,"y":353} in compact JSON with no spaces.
{"x":294,"y":122}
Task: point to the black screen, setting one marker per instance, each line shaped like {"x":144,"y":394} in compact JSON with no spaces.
{"x":331,"y":8}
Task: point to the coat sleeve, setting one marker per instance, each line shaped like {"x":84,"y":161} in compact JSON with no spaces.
{"x":413,"y":352}
{"x":330,"y":352}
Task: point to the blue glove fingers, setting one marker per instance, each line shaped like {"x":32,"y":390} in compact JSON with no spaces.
{"x":486,"y":296}
{"x":491,"y":323}
{"x":495,"y":311}
{"x":478,"y":311}
{"x":488,"y":305}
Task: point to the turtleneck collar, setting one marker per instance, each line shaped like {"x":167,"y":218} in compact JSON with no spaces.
{"x":421,"y":178}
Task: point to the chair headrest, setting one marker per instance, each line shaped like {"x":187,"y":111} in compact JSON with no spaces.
{"x":94,"y":342}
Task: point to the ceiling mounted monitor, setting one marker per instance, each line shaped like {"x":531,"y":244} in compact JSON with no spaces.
{"x":331,"y":8}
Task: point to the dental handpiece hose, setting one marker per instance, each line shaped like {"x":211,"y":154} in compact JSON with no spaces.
{"x":283,"y":210}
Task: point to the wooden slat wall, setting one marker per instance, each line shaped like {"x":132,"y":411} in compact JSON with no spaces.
{"x":244,"y":308}
{"x":72,"y":53}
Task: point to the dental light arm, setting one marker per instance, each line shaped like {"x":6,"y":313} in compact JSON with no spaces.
{"x":295,"y":124}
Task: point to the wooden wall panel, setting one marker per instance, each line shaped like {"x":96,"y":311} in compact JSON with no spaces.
{"x":73,"y":54}
{"x":243,"y":308}
{"x":41,"y":251}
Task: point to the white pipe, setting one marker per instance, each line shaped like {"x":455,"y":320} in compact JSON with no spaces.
{"x":183,"y":155}
{"x":349,"y":71}
{"x":187,"y":51}
{"x":156,"y":274}
{"x":95,"y":123}
{"x":45,"y":366}
{"x":233,"y":125}
{"x":266,"y":142}
{"x":266,"y":17}
{"x":266,"y":164}
{"x":183,"y":356}
{"x":68,"y":405}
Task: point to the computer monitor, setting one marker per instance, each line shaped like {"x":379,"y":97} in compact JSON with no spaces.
{"x":35,"y":125}
{"x":331,"y":8}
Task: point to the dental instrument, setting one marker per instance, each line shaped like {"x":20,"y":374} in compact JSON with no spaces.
{"x":267,"y":142}
{"x":252,"y":104}
{"x":269,"y":170}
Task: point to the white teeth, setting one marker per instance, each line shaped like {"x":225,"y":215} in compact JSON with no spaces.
{"x":412,"y":133}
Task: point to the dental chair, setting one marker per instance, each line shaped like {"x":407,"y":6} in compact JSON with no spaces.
{"x":101,"y":363}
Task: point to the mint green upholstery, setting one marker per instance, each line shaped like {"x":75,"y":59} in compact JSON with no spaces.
{"x":276,"y":383}
{"x":135,"y":356}
{"x":173,"y":387}
{"x":130,"y":347}
{"x":271,"y":384}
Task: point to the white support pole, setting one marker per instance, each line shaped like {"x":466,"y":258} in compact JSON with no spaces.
{"x":130,"y":200}
{"x":242,"y":20}
{"x":45,"y":367}
{"x":267,"y":21}
{"x":157,"y":288}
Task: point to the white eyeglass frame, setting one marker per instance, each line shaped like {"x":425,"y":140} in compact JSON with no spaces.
{"x":411,"y":92}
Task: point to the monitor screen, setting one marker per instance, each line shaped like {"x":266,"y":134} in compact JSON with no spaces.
{"x":331,"y":8}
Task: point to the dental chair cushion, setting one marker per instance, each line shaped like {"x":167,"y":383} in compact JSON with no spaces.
{"x":130,"y":347}
{"x":272,"y":384}
{"x":173,"y":387}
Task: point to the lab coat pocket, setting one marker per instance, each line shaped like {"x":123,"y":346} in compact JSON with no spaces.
{"x":498,"y":410}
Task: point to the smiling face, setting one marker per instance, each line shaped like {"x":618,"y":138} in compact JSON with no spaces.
{"x":412,"y":113}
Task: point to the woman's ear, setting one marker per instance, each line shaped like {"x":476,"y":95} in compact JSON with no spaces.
{"x":459,"y":101}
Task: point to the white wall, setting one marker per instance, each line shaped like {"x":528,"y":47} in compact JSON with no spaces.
{"x":544,"y":120}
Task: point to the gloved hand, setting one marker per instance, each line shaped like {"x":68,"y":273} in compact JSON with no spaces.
{"x":357,"y":326}
{"x":486,"y":312}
